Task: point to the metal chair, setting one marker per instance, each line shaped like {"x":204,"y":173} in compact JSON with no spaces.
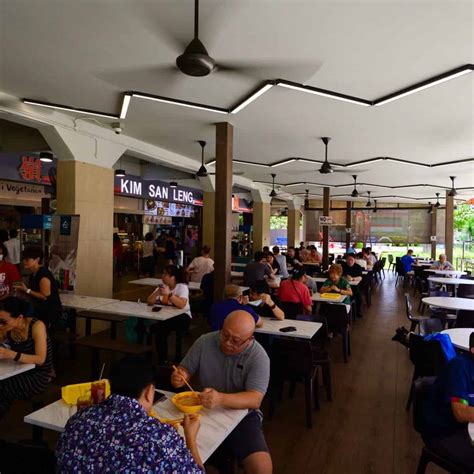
{"x":391,"y":263}
{"x":414,"y":320}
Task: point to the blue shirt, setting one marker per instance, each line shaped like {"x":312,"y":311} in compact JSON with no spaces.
{"x":407,"y":261}
{"x":454,"y":384}
{"x":220,"y":311}
{"x":119,"y":436}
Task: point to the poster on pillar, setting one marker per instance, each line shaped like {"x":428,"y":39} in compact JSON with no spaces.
{"x":64,"y":243}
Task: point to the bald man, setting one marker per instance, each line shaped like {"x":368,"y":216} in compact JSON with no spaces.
{"x":235,"y":370}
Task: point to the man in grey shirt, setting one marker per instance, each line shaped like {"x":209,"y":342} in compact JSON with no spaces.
{"x":235,"y":370}
{"x":281,"y":259}
{"x":257,"y":270}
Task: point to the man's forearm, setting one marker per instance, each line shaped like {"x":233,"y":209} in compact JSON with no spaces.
{"x":463,"y":413}
{"x":242,"y":400}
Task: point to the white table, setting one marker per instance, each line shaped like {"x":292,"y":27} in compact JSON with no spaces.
{"x":451,"y":281}
{"x":216,"y":424}
{"x":459,"y":337}
{"x":83,"y":303}
{"x":236,"y":264}
{"x":317,"y":297}
{"x":193,"y":286}
{"x":447,"y":302}
{"x":274,"y":282}
{"x":10,"y":368}
{"x":449,"y":273}
{"x":322,"y":280}
{"x":236,"y":274}
{"x":304,"y":329}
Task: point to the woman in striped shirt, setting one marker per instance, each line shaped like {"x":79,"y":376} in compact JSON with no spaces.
{"x":23,"y":339}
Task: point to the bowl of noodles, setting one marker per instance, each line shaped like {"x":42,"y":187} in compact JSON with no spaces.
{"x":187,"y":402}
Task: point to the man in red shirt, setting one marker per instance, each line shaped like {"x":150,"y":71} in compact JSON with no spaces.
{"x":294,"y":290}
{"x":8,"y":274}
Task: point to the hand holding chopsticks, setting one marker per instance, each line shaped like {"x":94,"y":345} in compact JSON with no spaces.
{"x":182,"y":377}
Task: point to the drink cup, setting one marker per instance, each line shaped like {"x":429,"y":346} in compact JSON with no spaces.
{"x":98,"y":392}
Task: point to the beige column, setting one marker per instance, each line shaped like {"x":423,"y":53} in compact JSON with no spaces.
{"x":326,"y":212}
{"x":433,"y":230}
{"x":294,"y":219}
{"x":449,"y":227}
{"x":261,"y":225}
{"x":87,"y":190}
{"x":208,"y":219}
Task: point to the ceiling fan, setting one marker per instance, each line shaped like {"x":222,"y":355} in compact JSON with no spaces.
{"x":326,"y":167}
{"x":369,"y":203}
{"x":438,"y":204}
{"x":453,"y":191}
{"x":355,"y":193}
{"x":202,"y":171}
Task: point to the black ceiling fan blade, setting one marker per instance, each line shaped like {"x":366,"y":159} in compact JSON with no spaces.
{"x":296,"y":71}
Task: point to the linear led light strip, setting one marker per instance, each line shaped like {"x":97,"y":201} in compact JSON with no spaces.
{"x":68,"y":109}
{"x":255,"y":95}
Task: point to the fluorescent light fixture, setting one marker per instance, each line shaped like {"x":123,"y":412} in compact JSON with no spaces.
{"x":68,"y":109}
{"x":313,"y":162}
{"x":413,"y":163}
{"x":255,"y":95}
{"x":284,"y":162}
{"x":250,"y":164}
{"x":46,"y":157}
{"x":293,"y":184}
{"x":323,"y":93}
{"x":426,"y":84}
{"x":126,"y":102}
{"x":183,"y":103}
{"x":363,"y":162}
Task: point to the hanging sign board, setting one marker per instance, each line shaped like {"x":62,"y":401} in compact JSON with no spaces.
{"x":325,"y":220}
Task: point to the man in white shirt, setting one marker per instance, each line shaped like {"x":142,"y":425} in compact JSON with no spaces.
{"x":13,"y":247}
{"x":369,"y":258}
{"x":281,"y":261}
{"x":441,"y":264}
{"x":200,"y":266}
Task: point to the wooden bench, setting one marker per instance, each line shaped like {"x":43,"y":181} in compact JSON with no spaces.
{"x":101,"y":341}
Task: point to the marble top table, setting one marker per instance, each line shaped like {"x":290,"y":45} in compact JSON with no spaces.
{"x":216,"y":424}
{"x":447,"y":302}
{"x":84,"y":303}
{"x":10,"y":368}
{"x":319,"y":298}
{"x":193,"y":286}
{"x":448,"y":273}
{"x":459,"y":337}
{"x":304,"y":329}
{"x":322,"y":280}
{"x":451,"y":281}
{"x":274,"y":282}
{"x":140,"y":310}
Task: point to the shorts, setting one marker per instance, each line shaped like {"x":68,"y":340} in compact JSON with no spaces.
{"x":247,"y":437}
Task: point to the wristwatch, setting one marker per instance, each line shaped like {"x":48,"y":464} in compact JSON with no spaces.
{"x":273,"y":307}
{"x":28,"y":291}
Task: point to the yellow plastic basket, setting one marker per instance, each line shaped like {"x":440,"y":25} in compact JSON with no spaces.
{"x":330,"y":296}
{"x":70,"y":393}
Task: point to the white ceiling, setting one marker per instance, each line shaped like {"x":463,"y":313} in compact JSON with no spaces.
{"x":86,"y":53}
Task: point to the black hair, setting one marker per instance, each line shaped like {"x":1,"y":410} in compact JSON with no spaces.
{"x":276,"y":249}
{"x":33,"y":252}
{"x":206,"y":249}
{"x":266,"y":249}
{"x":4,"y":249}
{"x":299,"y":274}
{"x":260,"y":287}
{"x":259,"y":256}
{"x":148,"y":236}
{"x":13,"y":233}
{"x":131,"y":375}
{"x":177,"y":272}
{"x":14,"y":306}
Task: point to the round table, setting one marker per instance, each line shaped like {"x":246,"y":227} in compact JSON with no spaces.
{"x":447,"y":302}
{"x":459,"y":337}
{"x":450,"y":273}
{"x":451,"y":281}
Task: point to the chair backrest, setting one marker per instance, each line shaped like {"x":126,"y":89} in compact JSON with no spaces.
{"x":421,"y":390}
{"x":292,"y":310}
{"x":400,"y":269}
{"x":465,"y":291}
{"x":465,"y":319}
{"x":336,"y":316}
{"x":430,"y":326}
{"x":390,"y":258}
{"x":408,"y":307}
{"x":291,"y":357}
{"x":427,"y":356}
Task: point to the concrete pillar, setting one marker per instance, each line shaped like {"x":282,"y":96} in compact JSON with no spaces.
{"x":449,"y":227}
{"x":223,"y":207}
{"x":326,"y":212}
{"x":294,"y":219}
{"x":261,"y":219}
{"x":208,"y":219}
{"x":348,"y":224}
{"x":433,"y":230}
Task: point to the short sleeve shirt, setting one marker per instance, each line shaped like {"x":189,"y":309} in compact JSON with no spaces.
{"x":342,"y":284}
{"x":446,"y":266}
{"x":249,"y":370}
{"x":222,"y":309}
{"x":8,"y":275}
{"x":181,"y":290}
{"x":293,"y":291}
{"x":199,"y":267}
{"x":255,"y":271}
{"x":407,"y":262}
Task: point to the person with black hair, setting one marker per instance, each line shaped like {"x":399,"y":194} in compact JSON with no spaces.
{"x":43,"y":288}
{"x":9,"y":274}
{"x":173,"y":292}
{"x":262,"y":303}
{"x":294,"y":290}
{"x":257,"y":270}
{"x":449,"y":409}
{"x":119,"y":435}
{"x":23,"y":339}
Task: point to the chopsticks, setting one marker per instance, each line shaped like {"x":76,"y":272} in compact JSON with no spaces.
{"x":184,"y":380}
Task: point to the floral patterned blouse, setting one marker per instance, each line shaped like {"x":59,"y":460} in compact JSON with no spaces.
{"x":119,"y":436}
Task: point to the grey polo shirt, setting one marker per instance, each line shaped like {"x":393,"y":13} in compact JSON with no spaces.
{"x":255,"y":271}
{"x":249,"y":370}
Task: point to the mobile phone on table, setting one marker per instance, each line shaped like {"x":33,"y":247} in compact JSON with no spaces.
{"x":158,"y":397}
{"x":155,"y":309}
{"x":288,"y":329}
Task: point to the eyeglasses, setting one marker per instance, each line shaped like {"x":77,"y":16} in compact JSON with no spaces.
{"x":226,"y":337}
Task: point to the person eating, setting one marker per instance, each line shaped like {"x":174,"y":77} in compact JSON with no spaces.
{"x":336,"y":284}
{"x":353,"y":272}
{"x":294,"y":290}
{"x":242,"y":385}
{"x":442,"y":263}
{"x":257,"y":270}
{"x":273,"y":263}
{"x":23,"y":339}
{"x":119,"y":435}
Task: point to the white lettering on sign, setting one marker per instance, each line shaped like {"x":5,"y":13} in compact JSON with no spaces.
{"x":123,"y":186}
{"x":129,"y":186}
{"x":325,"y":220}
{"x":183,"y":196}
{"x":137,"y":188}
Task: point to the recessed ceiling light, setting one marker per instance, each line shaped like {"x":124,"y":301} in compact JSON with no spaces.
{"x":67,"y":109}
{"x":255,"y":95}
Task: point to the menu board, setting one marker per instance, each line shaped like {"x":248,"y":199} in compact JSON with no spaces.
{"x":168,"y":209}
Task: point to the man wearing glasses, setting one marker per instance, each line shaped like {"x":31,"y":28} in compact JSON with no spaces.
{"x":235,"y":370}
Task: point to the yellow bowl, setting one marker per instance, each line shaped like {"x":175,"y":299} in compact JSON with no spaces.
{"x":179,"y":397}
{"x":70,"y":393}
